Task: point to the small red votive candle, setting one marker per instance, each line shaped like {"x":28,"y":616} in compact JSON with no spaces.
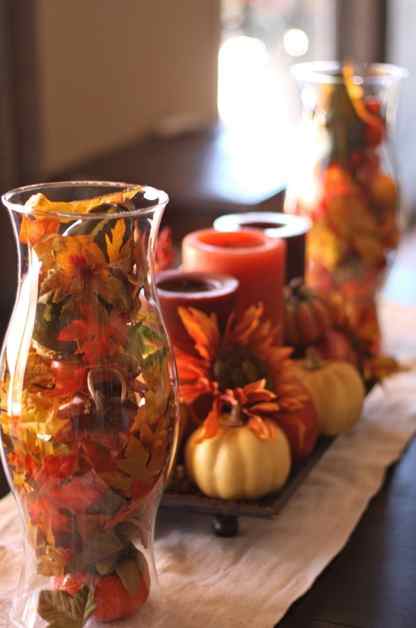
{"x":209,"y":292}
{"x":257,"y":261}
{"x":293,"y":229}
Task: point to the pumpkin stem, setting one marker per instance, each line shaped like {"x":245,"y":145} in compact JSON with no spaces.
{"x":299,"y":290}
{"x":313,"y":360}
{"x":234,"y":417}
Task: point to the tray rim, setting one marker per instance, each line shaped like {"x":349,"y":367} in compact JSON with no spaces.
{"x":264,"y":508}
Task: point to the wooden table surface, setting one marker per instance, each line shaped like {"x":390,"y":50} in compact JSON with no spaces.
{"x":371,"y":583}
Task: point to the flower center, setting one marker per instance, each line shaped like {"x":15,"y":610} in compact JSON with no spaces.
{"x":236,"y":367}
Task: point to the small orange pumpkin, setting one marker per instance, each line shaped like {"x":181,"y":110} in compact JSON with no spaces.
{"x":307,"y":315}
{"x":113,"y":601}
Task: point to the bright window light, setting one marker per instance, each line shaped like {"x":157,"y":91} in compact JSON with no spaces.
{"x":296,"y":42}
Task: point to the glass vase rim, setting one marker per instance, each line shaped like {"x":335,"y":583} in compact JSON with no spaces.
{"x":364,"y":73}
{"x":160,"y":198}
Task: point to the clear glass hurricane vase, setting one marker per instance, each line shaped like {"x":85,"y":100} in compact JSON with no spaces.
{"x":88,"y":400}
{"x":344,"y":179}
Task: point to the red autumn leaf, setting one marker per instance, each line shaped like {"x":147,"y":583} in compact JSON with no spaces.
{"x":78,"y":494}
{"x":23,"y":463}
{"x":48,"y":517}
{"x":165,"y":252}
{"x":69,"y":378}
{"x":140,"y":489}
{"x":57,"y":467}
{"x":99,"y":457}
{"x":71,"y":583}
{"x":77,"y":331}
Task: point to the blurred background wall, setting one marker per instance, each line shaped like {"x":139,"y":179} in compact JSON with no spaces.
{"x":110,"y":71}
{"x":83,"y":78}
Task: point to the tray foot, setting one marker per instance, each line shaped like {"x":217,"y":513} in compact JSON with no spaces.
{"x":225,"y":525}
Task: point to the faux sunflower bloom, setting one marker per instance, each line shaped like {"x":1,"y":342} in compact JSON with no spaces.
{"x":244,"y":373}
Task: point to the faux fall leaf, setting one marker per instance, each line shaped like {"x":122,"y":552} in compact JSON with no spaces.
{"x":62,"y":610}
{"x":33,"y":230}
{"x":115,"y":243}
{"x":165,"y":253}
{"x":39,"y":204}
{"x":49,"y":518}
{"x":51,"y":560}
{"x":105,"y":545}
{"x":98,"y":336}
{"x":134,"y":462}
{"x":77,"y":495}
{"x":70,"y":378}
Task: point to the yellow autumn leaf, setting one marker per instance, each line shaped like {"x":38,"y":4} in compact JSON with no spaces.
{"x":115,"y":243}
{"x":39,"y":203}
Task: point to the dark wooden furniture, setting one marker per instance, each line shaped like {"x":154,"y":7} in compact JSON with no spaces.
{"x":206,"y":173}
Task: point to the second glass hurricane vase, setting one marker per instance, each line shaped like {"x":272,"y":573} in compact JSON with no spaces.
{"x":345,"y":181}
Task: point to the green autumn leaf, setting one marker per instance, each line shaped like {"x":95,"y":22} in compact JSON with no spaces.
{"x":62,"y":610}
{"x":109,"y":504}
{"x":143,"y":340}
{"x":129,"y":574}
{"x":103,"y":546}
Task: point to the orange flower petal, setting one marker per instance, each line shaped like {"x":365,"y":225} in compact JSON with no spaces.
{"x":203,"y":329}
{"x":261,"y":428}
{"x":212,"y":424}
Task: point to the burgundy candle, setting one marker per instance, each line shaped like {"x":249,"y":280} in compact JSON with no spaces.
{"x":292,"y":229}
{"x":210,"y":292}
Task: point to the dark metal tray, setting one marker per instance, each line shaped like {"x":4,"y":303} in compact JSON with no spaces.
{"x":225,"y":513}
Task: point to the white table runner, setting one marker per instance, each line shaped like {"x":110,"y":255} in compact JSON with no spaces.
{"x":252,"y":580}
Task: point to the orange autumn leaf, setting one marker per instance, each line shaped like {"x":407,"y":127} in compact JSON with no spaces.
{"x":79,"y":255}
{"x":96,"y":339}
{"x":356,"y":93}
{"x":165,"y":252}
{"x":33,"y":230}
{"x":203,"y":329}
{"x":48,"y":517}
{"x":57,"y":467}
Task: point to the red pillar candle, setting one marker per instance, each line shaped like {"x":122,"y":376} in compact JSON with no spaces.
{"x":292,"y":229}
{"x":210,"y":292}
{"x":257,"y":261}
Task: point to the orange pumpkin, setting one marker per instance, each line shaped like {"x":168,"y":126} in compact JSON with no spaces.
{"x":336,"y":346}
{"x":307,"y":315}
{"x":112,"y":600}
{"x":301,"y":429}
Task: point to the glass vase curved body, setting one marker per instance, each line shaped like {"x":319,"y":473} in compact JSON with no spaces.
{"x":345,"y":180}
{"x":88,"y":401}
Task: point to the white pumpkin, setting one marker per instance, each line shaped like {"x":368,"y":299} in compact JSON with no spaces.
{"x":237,"y":464}
{"x":337,"y":392}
